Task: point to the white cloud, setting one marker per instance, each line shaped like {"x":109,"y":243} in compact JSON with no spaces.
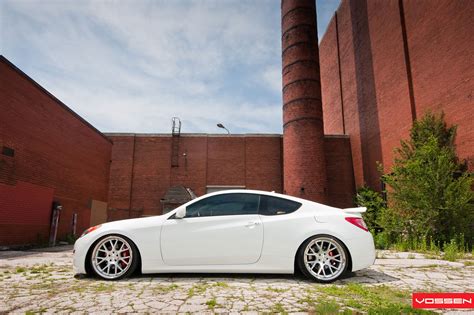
{"x":272,"y":78}
{"x":132,"y":65}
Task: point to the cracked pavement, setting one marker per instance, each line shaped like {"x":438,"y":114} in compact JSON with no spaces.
{"x":42,"y":281}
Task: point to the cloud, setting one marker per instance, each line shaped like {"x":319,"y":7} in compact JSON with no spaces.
{"x":129,"y":66}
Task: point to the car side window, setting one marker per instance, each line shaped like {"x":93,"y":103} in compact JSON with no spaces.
{"x":276,"y":206}
{"x":225,"y":204}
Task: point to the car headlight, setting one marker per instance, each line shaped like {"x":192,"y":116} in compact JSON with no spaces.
{"x":92,"y":228}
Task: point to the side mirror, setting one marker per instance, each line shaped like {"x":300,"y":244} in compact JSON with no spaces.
{"x":181,"y":213}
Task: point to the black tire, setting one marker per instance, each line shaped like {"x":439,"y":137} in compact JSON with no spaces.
{"x":325,"y":260}
{"x":115,"y":257}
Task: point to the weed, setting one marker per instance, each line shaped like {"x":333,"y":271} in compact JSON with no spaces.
{"x":276,"y":290}
{"x":327,"y":307}
{"x":165,"y":288}
{"x":451,"y":251}
{"x":211,"y":303}
{"x":278,"y":308}
{"x":102,"y":287}
{"x":396,"y":309}
{"x":424,"y":267}
{"x":375,"y":300}
{"x":197,"y":289}
{"x":20,"y":269}
{"x":221,"y":284}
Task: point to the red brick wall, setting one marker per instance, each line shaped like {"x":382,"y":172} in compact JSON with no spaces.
{"x":54,"y":150}
{"x":375,"y":70}
{"x":251,"y":161}
{"x":330,"y":82}
{"x":349,"y":88}
{"x":341,"y":189}
{"x":392,"y":101}
{"x":441,"y":46}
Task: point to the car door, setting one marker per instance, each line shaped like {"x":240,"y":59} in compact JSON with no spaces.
{"x":224,"y":229}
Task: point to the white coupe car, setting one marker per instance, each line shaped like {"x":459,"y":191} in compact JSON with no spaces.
{"x":234,"y":231}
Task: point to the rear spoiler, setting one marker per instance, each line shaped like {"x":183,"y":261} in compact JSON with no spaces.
{"x":355,"y":210}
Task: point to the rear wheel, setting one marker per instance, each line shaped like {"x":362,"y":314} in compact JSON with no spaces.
{"x":114,"y":257}
{"x":323,"y":258}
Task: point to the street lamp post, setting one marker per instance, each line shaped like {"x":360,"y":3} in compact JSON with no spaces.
{"x":222,"y":126}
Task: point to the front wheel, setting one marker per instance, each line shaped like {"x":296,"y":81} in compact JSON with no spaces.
{"x":114,"y":257}
{"x":322,"y":258}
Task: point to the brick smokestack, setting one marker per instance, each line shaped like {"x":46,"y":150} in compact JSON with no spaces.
{"x":304,"y":166}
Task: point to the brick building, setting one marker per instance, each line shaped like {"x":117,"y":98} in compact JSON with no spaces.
{"x":141,"y":171}
{"x":385,"y":63}
{"x":49,"y":154}
{"x":346,"y":105}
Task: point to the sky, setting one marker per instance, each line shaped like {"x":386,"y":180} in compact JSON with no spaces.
{"x":132,"y":65}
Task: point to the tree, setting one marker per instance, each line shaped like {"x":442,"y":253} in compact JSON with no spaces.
{"x":430,"y":192}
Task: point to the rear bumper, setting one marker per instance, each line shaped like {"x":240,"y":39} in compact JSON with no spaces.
{"x":362,"y":251}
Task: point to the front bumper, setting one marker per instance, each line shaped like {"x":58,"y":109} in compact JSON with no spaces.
{"x":79,"y":257}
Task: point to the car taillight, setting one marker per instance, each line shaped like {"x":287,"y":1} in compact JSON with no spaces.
{"x":359,"y":222}
{"x":93,"y":228}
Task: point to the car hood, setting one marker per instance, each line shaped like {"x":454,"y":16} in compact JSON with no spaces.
{"x":134,"y":223}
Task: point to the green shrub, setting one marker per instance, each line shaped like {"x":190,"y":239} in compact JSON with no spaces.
{"x":429,"y":193}
{"x":381,"y":240}
{"x":451,"y":251}
{"x":374,"y":203}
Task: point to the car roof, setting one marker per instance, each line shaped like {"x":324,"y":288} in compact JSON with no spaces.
{"x":252,"y":191}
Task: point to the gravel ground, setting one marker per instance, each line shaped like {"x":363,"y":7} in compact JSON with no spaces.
{"x":42,"y":281}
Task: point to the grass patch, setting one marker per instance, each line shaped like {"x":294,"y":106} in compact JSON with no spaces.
{"x":278,"y":308}
{"x":20,"y":269}
{"x":327,"y":307}
{"x":451,"y":251}
{"x":40,"y":269}
{"x":46,"y":285}
{"x":424,"y":267}
{"x":276,"y":290}
{"x":372,"y":299}
{"x":221,"y":284}
{"x":165,"y":288}
{"x":211,"y":303}
{"x":199,"y":288}
{"x":102,"y":287}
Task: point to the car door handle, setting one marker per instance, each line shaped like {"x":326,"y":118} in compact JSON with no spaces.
{"x":252,"y":224}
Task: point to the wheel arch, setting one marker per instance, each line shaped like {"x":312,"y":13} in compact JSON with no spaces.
{"x":295,"y":257}
{"x":87,"y":263}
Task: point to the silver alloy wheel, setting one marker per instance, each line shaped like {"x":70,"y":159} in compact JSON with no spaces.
{"x":112,"y":257}
{"x":324,"y":258}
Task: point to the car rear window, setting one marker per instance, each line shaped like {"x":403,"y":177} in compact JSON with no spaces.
{"x":276,"y":206}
